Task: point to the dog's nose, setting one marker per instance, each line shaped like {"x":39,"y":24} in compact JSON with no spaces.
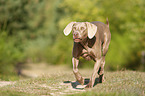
{"x":75,"y":34}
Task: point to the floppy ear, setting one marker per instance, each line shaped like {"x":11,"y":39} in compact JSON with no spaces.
{"x":68,"y":28}
{"x":92,"y":29}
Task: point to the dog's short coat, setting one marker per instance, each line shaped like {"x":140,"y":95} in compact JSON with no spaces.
{"x":91,"y":41}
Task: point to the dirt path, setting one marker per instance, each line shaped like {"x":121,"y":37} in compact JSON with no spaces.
{"x":5,"y":83}
{"x":55,"y":90}
{"x":68,"y":89}
{"x":36,"y":70}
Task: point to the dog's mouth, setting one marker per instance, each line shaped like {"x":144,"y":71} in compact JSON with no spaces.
{"x":77,"y":39}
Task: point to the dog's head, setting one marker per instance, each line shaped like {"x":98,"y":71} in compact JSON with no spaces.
{"x":81,"y":30}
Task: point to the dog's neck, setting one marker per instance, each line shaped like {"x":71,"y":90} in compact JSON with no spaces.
{"x":84,"y":43}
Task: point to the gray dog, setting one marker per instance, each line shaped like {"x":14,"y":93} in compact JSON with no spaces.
{"x":91,"y":41}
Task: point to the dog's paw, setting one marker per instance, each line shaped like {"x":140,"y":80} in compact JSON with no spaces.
{"x":81,"y":81}
{"x":88,"y":86}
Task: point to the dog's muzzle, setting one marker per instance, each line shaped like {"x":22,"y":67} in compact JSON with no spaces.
{"x":77,"y":40}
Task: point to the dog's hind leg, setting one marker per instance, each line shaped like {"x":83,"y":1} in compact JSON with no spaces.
{"x":107,"y":38}
{"x":101,"y":70}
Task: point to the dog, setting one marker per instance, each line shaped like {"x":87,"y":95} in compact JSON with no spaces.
{"x":91,"y":41}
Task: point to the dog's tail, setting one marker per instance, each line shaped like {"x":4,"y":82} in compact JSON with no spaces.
{"x":107,"y":22}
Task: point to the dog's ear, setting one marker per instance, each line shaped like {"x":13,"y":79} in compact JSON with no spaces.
{"x":92,"y":29}
{"x":68,"y":28}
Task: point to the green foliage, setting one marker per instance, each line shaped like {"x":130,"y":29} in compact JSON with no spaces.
{"x":83,"y":10}
{"x":128,"y":22}
{"x":9,"y":54}
{"x":24,"y":32}
{"x":32,"y":30}
{"x":119,"y":52}
{"x":60,"y":52}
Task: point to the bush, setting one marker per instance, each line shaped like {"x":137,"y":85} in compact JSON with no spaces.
{"x":10,"y":54}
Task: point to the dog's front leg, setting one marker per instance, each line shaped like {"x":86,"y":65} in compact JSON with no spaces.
{"x":95,"y":73}
{"x":78,"y":76}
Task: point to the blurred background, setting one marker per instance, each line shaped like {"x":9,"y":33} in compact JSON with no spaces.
{"x":31,"y":31}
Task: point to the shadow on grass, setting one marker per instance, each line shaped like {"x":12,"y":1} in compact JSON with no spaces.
{"x":74,"y":84}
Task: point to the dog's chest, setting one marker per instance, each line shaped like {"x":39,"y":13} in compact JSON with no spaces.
{"x":87,"y":54}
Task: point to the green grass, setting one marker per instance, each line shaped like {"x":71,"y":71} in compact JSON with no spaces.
{"x":12,"y":77}
{"x":104,"y":94}
{"x":14,"y":93}
{"x":119,"y":83}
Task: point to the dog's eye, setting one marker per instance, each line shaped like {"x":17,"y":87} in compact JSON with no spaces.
{"x":74,"y":28}
{"x":82,"y":28}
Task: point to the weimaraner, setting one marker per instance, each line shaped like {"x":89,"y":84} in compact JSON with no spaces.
{"x":91,"y":41}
